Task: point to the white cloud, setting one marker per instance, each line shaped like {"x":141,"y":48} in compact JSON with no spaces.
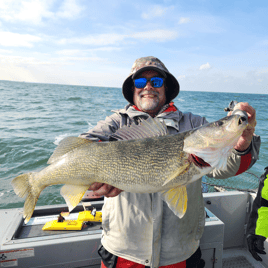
{"x":156,"y":35}
{"x":77,"y":59}
{"x":205,"y":66}
{"x":37,"y":60}
{"x":69,"y":52}
{"x":181,"y":77}
{"x":18,"y":61}
{"x":184,"y":20}
{"x":5,"y":51}
{"x":57,"y":74}
{"x":81,"y":52}
{"x":96,"y":40}
{"x":15,"y":73}
{"x":34,"y":11}
{"x":18,"y":40}
{"x":69,"y":9}
{"x":154,"y":12}
{"x":104,"y":49}
{"x":29,"y":11}
{"x":219,"y":81}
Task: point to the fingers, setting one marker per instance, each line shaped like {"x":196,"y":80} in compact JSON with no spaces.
{"x":260,"y":251}
{"x":255,"y":245}
{"x":251,"y":248}
{"x":244,"y":106}
{"x":260,"y":246}
{"x":95,"y":186}
{"x":114,"y":192}
{"x":103,"y":190}
{"x":107,"y":190}
{"x":255,"y":255}
{"x":246,"y":137}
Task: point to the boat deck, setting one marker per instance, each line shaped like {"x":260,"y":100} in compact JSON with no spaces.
{"x":222,"y":244}
{"x":34,"y":231}
{"x":239,"y":258}
{"x":233,"y":209}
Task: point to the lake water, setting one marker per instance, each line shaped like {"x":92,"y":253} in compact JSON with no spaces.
{"x":35,"y":117}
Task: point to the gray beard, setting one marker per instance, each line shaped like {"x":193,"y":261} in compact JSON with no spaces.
{"x":149,"y":105}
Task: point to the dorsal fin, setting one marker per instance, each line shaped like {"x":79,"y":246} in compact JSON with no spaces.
{"x":152,"y":127}
{"x":66,"y":145}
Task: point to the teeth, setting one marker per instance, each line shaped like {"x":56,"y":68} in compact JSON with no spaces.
{"x":150,"y":96}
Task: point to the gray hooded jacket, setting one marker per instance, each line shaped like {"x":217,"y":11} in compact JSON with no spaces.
{"x":141,"y":227}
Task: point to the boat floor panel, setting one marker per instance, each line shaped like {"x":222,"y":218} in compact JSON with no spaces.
{"x":236,"y":262}
{"x":239,"y":258}
{"x":36,"y":231}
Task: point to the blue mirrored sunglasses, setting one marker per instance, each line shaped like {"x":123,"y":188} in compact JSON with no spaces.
{"x":154,"y":81}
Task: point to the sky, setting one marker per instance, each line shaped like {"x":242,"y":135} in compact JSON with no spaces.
{"x":208,"y":45}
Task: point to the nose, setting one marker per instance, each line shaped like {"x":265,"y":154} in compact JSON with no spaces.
{"x":148,"y":85}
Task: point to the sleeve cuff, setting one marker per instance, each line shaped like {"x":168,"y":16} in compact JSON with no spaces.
{"x":243,"y":152}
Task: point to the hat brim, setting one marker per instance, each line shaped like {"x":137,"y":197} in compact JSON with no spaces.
{"x":172,"y":84}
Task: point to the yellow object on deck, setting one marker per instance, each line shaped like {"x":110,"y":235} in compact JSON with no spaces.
{"x":84,"y":216}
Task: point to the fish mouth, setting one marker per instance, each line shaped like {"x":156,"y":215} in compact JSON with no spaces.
{"x":199,"y":162}
{"x":241,"y":123}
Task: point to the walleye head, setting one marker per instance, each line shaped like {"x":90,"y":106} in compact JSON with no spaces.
{"x":214,"y":141}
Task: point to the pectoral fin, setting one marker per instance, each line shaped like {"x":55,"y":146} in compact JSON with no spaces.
{"x":181,"y":170}
{"x":176,"y":199}
{"x":73,"y":194}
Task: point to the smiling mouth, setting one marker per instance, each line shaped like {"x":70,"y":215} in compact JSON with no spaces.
{"x":149,"y":96}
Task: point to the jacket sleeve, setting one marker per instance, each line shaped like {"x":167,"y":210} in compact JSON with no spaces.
{"x":239,"y":162}
{"x":258,"y":219}
{"x":103,"y":129}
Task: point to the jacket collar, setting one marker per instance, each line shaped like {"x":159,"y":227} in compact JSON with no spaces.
{"x":169,"y":111}
{"x":170,"y":107}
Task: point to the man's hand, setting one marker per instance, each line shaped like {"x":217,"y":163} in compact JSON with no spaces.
{"x":255,"y":245}
{"x":246,"y":137}
{"x":107,"y":190}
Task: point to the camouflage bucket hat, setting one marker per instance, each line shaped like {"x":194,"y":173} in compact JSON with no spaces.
{"x":150,"y":63}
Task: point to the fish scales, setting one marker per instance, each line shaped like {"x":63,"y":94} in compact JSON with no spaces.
{"x":160,"y":163}
{"x":105,"y":164}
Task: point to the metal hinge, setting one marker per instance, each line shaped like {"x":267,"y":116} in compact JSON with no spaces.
{"x":245,"y":229}
{"x":214,"y":260}
{"x":247,"y":207}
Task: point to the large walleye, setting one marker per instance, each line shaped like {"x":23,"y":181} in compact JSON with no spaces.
{"x":144,"y":159}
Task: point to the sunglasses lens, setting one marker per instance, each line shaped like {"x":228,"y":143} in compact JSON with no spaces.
{"x":157,"y":81}
{"x":140,"y":82}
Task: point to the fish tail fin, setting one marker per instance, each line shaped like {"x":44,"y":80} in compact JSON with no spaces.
{"x":23,"y":187}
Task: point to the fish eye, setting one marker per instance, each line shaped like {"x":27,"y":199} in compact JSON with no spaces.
{"x":241,"y":120}
{"x":218,"y":123}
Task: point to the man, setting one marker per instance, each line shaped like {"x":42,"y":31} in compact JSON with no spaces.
{"x":257,"y":228}
{"x":140,"y":230}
